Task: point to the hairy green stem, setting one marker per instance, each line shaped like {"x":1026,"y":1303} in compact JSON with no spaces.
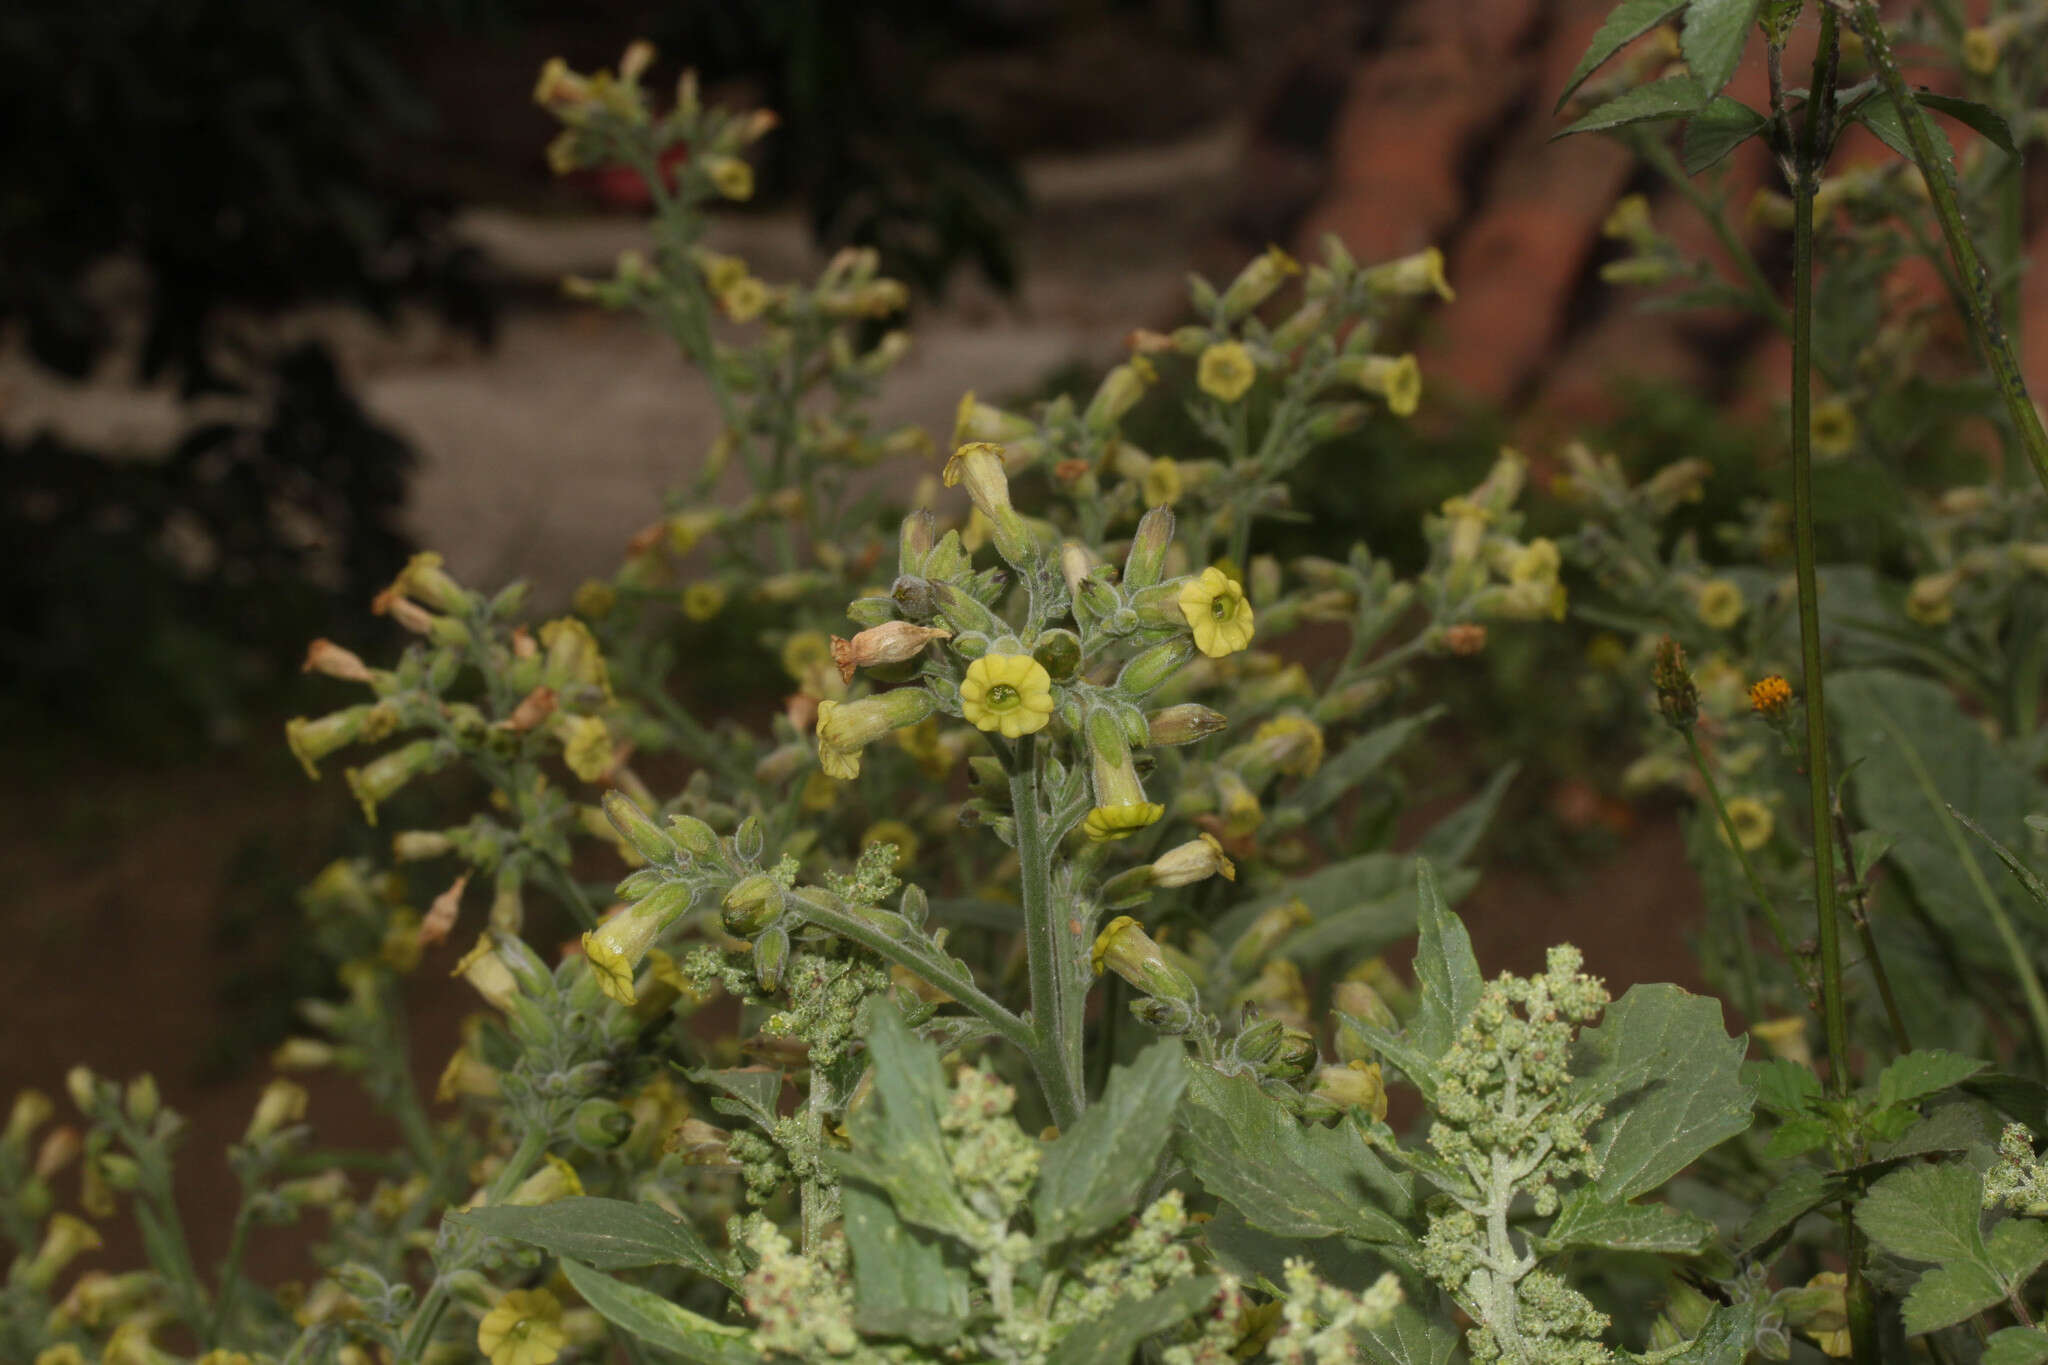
{"x":1052,"y":947}
{"x":1980,"y":304}
{"x":230,"y":1273}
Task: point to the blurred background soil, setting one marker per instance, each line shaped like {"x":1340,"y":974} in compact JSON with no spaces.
{"x":141,"y":893}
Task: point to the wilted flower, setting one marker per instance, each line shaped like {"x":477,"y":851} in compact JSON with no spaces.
{"x":889,"y":643}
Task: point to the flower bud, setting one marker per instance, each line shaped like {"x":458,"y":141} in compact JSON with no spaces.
{"x":487,"y":973}
{"x":693,"y":834}
{"x":30,"y":1111}
{"x":1145,"y":563}
{"x":1678,"y":697}
{"x":892,"y":642}
{"x":1421,"y":273}
{"x":281,"y":1102}
{"x":1356,"y":1085}
{"x":1258,"y":282}
{"x":1147,"y":670}
{"x":1265,"y":933}
{"x":1183,"y":724}
{"x":303,"y":1054}
{"x":84,"y":1089}
{"x":141,"y":1100}
{"x":753,"y":903}
{"x":555,"y":1180}
{"x":977,"y":421}
{"x":1125,"y":948}
{"x":634,"y":826}
{"x":1197,"y":860}
{"x":1359,"y":1000}
{"x":59,"y":1149}
{"x":771,"y":958}
{"x":325,"y":656}
{"x":380,"y":779}
{"x":600,"y":1125}
{"x":65,"y":1239}
{"x":1119,"y":392}
{"x":312,"y":740}
{"x":1396,"y":379}
{"x":424,"y":581}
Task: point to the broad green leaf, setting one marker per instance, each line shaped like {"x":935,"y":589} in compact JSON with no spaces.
{"x":1788,"y":1201}
{"x":1783,"y":1086}
{"x":1978,"y":118}
{"x":655,"y":1320}
{"x":897,"y":1143}
{"x":1949,"y":1294}
{"x":1094,"y":1175}
{"x":1926,"y":1213}
{"x":1249,"y":1253}
{"x":1684,"y":1094}
{"x":1411,"y":1338}
{"x":1715,"y":33}
{"x":610,"y":1234}
{"x":2016,"y":1097}
{"x":1717,"y":130}
{"x":1367,"y":928}
{"x":1671,"y":97}
{"x":1450,"y":841}
{"x":1446,"y":972}
{"x":1591,"y":1223}
{"x":1727,"y":1338}
{"x":1920,"y":753}
{"x":1296,"y":1180}
{"x":1882,"y":117}
{"x":2016,"y":1346}
{"x":1796,"y":1137}
{"x":1628,"y":21}
{"x":1919,"y":1074}
{"x":1355,"y":762}
{"x":2016,"y":1248}
{"x":1328,"y":891}
{"x":1110,"y":1339}
{"x":1949,"y":1128}
{"x":905,"y":1282}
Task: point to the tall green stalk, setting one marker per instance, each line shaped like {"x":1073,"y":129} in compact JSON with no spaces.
{"x":1058,"y":991}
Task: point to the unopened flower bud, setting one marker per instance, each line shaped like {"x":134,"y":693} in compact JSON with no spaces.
{"x":1119,"y":392}
{"x":693,"y":834}
{"x":600,"y":1125}
{"x":771,"y":958}
{"x":325,"y":656}
{"x":65,"y":1239}
{"x":30,"y":1111}
{"x":1058,"y":652}
{"x":1125,"y":948}
{"x":1146,"y":671}
{"x":1197,"y":860}
{"x":59,"y":1149}
{"x":1183,"y":724}
{"x":753,"y":903}
{"x":380,"y":779}
{"x":1145,"y":563}
{"x":302,"y":1054}
{"x":647,"y":838}
{"x":1421,"y":273}
{"x":142,"y":1100}
{"x":84,"y":1090}
{"x":282,"y":1102}
{"x":1258,"y":282}
{"x":1359,"y":1000}
{"x":424,"y":581}
{"x":1678,"y":697}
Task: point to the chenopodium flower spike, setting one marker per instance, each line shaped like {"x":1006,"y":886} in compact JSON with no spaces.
{"x":1007,"y":693}
{"x":1217,"y":613}
{"x":1120,"y":805}
{"x":615,"y":947}
{"x":845,"y":728}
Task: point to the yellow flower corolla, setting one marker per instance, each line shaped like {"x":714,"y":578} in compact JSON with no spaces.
{"x":733,"y":177}
{"x":1829,"y":1327}
{"x":1226,"y":371}
{"x":897,"y":833}
{"x":1010,"y":693}
{"x":1217,"y":612}
{"x":1536,"y":562}
{"x":586,"y":746}
{"x":524,"y":1329}
{"x":1930,"y":599}
{"x":1719,"y":602}
{"x":1832,"y":429}
{"x":806,"y":652}
{"x":703,"y":601}
{"x":744,"y":299}
{"x":1752,"y":821}
{"x":1162,"y":483}
{"x":611,"y":967}
{"x":1785,"y":1037}
{"x":1116,"y":822}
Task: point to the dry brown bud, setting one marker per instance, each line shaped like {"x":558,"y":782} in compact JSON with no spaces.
{"x":441,"y":914}
{"x":325,"y":656}
{"x":892,"y":642}
{"x":534,"y":708}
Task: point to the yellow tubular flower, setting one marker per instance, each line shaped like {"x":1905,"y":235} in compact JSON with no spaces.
{"x":1116,"y":822}
{"x":524,"y":1329}
{"x":1010,"y":693}
{"x":1226,"y":371}
{"x":1719,"y":602}
{"x":1120,"y":804}
{"x":1832,"y":429}
{"x":1397,"y":379}
{"x":1752,"y":821}
{"x":1217,"y":612}
{"x":744,"y":299}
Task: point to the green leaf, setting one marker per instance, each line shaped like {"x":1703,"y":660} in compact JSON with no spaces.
{"x":2015,"y":1346}
{"x":1867,"y":848}
{"x":1679,"y":1079}
{"x":1355,"y":762}
{"x":1285,"y":1177}
{"x":2021,"y":873}
{"x":1919,"y":1074}
{"x":2016,"y":1248}
{"x":1796,"y":1137}
{"x":1411,"y":1338}
{"x":1788,"y":1201}
{"x":1093,"y":1176}
{"x":1110,"y":1339}
{"x":1981,"y":119}
{"x":1451,"y":840}
{"x":1361,"y":929}
{"x":1920,"y":753}
{"x":1446,"y":972}
{"x":610,"y":1234}
{"x":897,"y":1142}
{"x":1950,"y":1128}
{"x":658,"y":1322}
{"x":2017,"y":1097}
{"x":1881,"y":116}
{"x":750,"y":1092}
{"x":1630,"y":20}
{"x":1671,"y":97}
{"x":1717,"y":130}
{"x":1949,"y":1294}
{"x":1715,"y":33}
{"x":904,"y":1282}
{"x":1783,"y":1086}
{"x":1926,"y":1213}
{"x":1248,"y":1253}
{"x":1727,"y":1338}
{"x":1589,"y":1222}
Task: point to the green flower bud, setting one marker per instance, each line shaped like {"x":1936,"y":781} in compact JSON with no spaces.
{"x":1125,"y":948}
{"x":752,"y":905}
{"x":1145,"y":562}
{"x":1295,"y":1056}
{"x":1183,"y":724}
{"x":1146,"y":671}
{"x":871,"y":611}
{"x":142,"y":1100}
{"x":771,"y":958}
{"x":748,"y":839}
{"x":916,"y":598}
{"x":693,"y":834}
{"x":1119,"y":392}
{"x":121,"y":1172}
{"x":915,"y":906}
{"x":914,"y":541}
{"x":381,"y":779}
{"x":1258,"y":1042}
{"x":600,"y":1125}
{"x":637,"y":829}
{"x":1058,"y":651}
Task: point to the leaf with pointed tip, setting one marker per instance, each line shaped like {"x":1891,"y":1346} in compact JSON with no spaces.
{"x":1111,"y":1338}
{"x":907,"y":1282}
{"x":1917,"y":1075}
{"x":1446,"y":971}
{"x":1725,"y":1340}
{"x":898,"y":1146}
{"x":1788,"y":1201}
{"x":1981,"y":119}
{"x":1588,"y":1222}
{"x":648,"y":1316}
{"x":1671,"y":97}
{"x":1717,"y":130}
{"x":1628,"y":21}
{"x":1411,"y":1338}
{"x":1715,"y":33}
{"x":1093,"y":1176}
{"x":610,"y":1234}
{"x":1882,"y":117}
{"x":1356,"y":761}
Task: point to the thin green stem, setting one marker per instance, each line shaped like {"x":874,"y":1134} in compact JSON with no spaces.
{"x":1745,"y":952}
{"x":1980,"y":303}
{"x":1859,"y":915}
{"x":419,"y":1333}
{"x":1052,"y":949}
{"x":230,"y":1272}
{"x":1811,"y":153}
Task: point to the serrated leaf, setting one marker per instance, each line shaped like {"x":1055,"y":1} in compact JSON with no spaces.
{"x":1883,"y":118}
{"x":2016,"y":1346}
{"x":1919,"y":1074}
{"x":1451,"y":840}
{"x":1628,"y":21}
{"x":1788,"y":1201}
{"x":609,"y":1234}
{"x":1367,"y":927}
{"x":655,"y":1320}
{"x":1796,"y":1137}
{"x":1727,"y":1338}
{"x":1685,"y":1089}
{"x":2016,"y":1248}
{"x":1249,"y":1253}
{"x":1948,"y":1294}
{"x":1981,"y":119}
{"x":1717,"y":130}
{"x":1591,"y":1223}
{"x":1446,"y":971}
{"x":1715,"y":33}
{"x":1926,"y":1213}
{"x":1282,"y":1176}
{"x":1784,"y":1086}
{"x":897,"y":1143}
{"x":1094,"y":1174}
{"x":905,"y":1282}
{"x":1110,"y":1339}
{"x":1356,"y":761}
{"x":1411,"y":1337}
{"x":1671,"y":97}
{"x":1950,"y":1128}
